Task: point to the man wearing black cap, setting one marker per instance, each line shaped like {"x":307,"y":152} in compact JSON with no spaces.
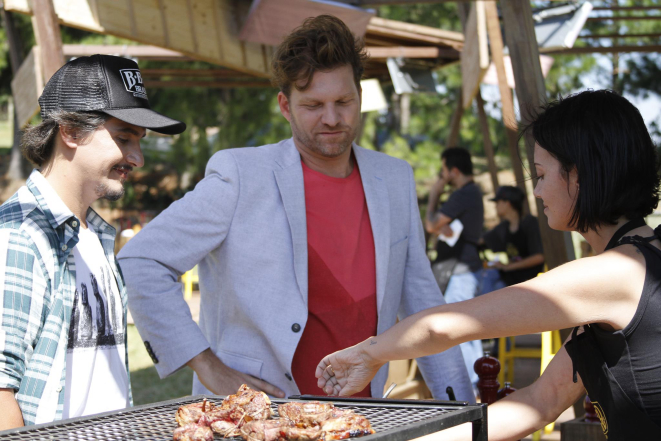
{"x":63,"y":297}
{"x":516,"y":235}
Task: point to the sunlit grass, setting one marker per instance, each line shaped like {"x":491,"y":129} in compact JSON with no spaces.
{"x":146,"y":385}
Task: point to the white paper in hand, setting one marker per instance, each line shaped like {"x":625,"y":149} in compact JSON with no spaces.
{"x":457,"y":227}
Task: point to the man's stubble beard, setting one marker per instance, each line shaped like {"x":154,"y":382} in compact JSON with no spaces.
{"x":105,"y":192}
{"x":333,"y":151}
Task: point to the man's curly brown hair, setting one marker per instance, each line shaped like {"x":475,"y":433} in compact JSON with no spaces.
{"x":321,"y":43}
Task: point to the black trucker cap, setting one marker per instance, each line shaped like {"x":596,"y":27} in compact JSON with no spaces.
{"x":108,"y":84}
{"x":509,"y":193}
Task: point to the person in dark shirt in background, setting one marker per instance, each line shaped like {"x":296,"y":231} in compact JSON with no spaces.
{"x":516,"y":235}
{"x":461,"y":262}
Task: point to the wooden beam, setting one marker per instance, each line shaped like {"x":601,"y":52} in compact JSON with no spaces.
{"x":625,"y":18}
{"x":417,"y":29}
{"x":531,"y":94}
{"x":595,"y":36}
{"x":486,"y":137}
{"x":204,"y":73}
{"x":157,"y":84}
{"x":411,"y":52}
{"x":141,"y":52}
{"x":475,"y":56}
{"x":606,"y":49}
{"x":507,"y":101}
{"x":47,"y":34}
{"x":455,"y":123}
{"x":626,"y":8}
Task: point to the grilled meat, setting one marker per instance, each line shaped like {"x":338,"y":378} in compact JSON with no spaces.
{"x":191,"y":413}
{"x":306,"y":414}
{"x":255,"y":405}
{"x":345,"y":426}
{"x":278,"y":430}
{"x":192,"y":432}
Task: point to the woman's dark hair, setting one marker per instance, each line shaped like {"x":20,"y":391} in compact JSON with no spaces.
{"x":604,"y":137}
{"x":38,"y":141}
{"x":321,"y":43}
{"x":460,"y":158}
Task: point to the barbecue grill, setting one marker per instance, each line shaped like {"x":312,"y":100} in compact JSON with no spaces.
{"x":393,"y":420}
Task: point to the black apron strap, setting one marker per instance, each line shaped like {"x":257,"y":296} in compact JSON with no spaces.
{"x":624,"y":229}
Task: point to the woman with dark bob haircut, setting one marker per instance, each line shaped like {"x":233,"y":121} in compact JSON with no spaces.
{"x":597,"y":174}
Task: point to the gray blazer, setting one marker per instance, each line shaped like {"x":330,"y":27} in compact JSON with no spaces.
{"x":244,"y":224}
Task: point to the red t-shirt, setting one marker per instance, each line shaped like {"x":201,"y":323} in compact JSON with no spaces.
{"x":341,"y":273}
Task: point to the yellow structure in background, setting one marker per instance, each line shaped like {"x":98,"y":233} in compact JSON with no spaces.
{"x":551,"y":344}
{"x":188,"y":279}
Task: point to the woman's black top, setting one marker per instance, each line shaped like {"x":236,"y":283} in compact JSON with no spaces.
{"x":621,"y":370}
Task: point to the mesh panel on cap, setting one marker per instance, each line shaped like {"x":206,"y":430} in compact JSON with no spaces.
{"x":78,"y":86}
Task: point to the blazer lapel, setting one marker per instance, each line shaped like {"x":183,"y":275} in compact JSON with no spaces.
{"x":378,"y":206}
{"x":292,"y":191}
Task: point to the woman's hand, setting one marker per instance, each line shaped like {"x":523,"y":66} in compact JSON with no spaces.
{"x":347,"y":372}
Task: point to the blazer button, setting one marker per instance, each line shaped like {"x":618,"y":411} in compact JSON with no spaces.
{"x":288,"y":375}
{"x":296,"y":327}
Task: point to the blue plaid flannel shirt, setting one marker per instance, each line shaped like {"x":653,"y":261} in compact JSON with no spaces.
{"x":37,"y":285}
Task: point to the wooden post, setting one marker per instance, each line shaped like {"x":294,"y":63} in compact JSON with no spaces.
{"x":531,"y":94}
{"x":16,"y":163}
{"x":488,"y":145}
{"x":507,"y":102}
{"x":47,"y":34}
{"x":455,"y":124}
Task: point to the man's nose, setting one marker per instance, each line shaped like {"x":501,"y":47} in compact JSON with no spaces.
{"x":135,"y":157}
{"x":330,"y":116}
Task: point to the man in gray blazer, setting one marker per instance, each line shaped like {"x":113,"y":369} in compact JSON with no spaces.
{"x":304,"y":247}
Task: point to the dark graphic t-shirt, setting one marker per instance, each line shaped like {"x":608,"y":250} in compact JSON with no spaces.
{"x":466,"y":205}
{"x":525,"y":242}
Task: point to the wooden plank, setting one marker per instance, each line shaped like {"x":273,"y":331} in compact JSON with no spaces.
{"x":112,"y":17}
{"x":486,"y":137}
{"x":625,"y":18}
{"x":531,"y":94}
{"x":228,"y":30}
{"x":27,"y":86}
{"x":626,"y":8}
{"x":198,"y":73}
{"x":78,"y":13}
{"x":591,"y":36}
{"x":204,"y":28}
{"x":382,"y":52}
{"x":417,"y":29}
{"x":475,"y":55}
{"x":507,"y":102}
{"x":607,"y":49}
{"x":47,"y":35}
{"x":142,"y":52}
{"x":148,"y":14}
{"x":178,"y":25}
{"x":165,"y":23}
{"x":152,"y":84}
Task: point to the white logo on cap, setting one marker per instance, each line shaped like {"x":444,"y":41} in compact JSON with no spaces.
{"x":133,"y":82}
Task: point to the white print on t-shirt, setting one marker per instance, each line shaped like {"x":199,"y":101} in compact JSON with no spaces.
{"x":96,"y":352}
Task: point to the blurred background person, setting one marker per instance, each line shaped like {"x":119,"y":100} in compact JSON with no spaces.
{"x":458,"y":268}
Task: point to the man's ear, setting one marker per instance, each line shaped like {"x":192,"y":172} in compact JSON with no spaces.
{"x":70,"y":137}
{"x":283,"y":102}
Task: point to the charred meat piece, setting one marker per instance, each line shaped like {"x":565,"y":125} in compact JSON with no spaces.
{"x":306,"y":414}
{"x":191,"y":413}
{"x":348,"y":425}
{"x":193,"y":432}
{"x":256,"y":405}
{"x":278,"y":430}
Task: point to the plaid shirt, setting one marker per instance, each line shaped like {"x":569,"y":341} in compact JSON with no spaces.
{"x":37,"y":285}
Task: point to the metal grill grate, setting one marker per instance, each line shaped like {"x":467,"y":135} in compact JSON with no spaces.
{"x":153,"y":422}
